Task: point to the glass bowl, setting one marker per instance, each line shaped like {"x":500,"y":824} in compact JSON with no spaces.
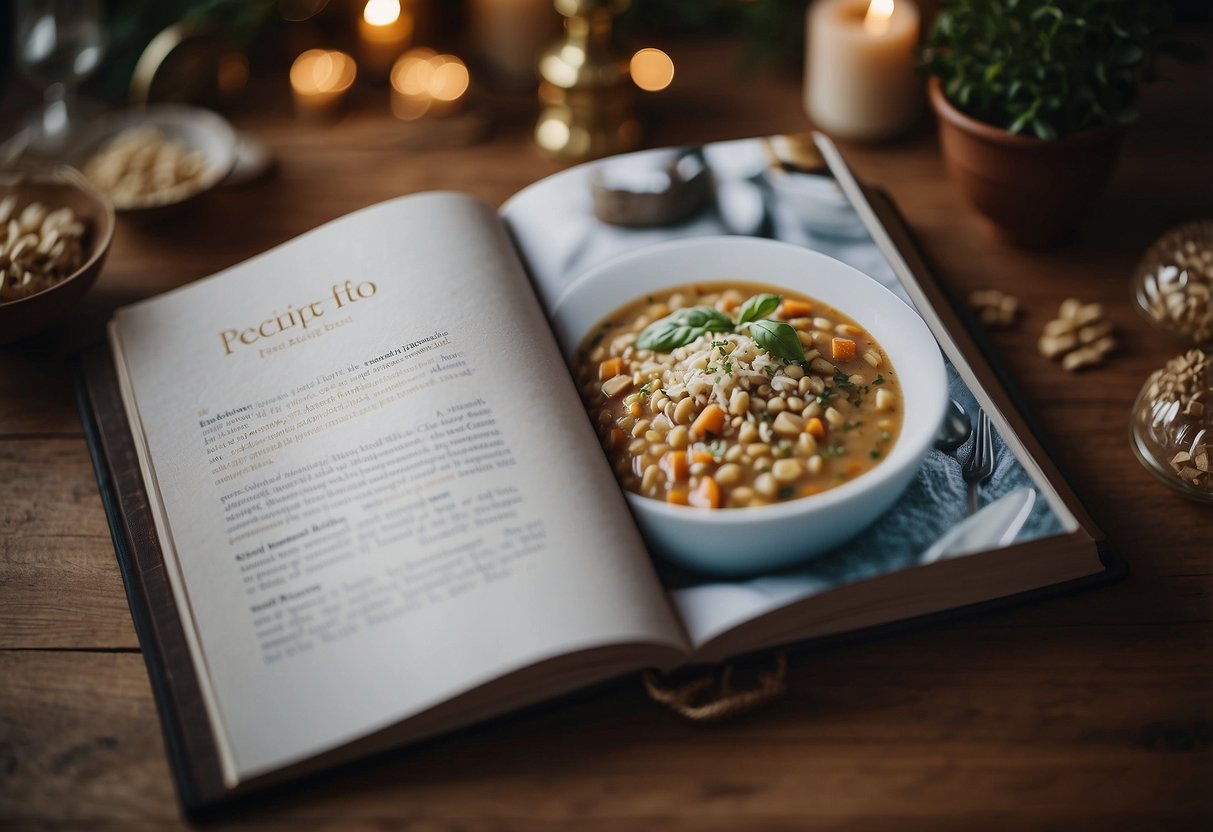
{"x":1172,"y":429}
{"x":1173,"y":285}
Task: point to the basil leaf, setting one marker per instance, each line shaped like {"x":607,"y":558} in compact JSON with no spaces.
{"x":757,"y":307}
{"x":777,"y":338}
{"x":681,"y":327}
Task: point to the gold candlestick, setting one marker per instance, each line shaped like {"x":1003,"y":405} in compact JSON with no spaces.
{"x":585,"y":91}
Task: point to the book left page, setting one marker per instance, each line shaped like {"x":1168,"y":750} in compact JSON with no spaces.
{"x":374,"y":483}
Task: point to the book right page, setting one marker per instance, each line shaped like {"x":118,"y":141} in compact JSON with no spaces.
{"x":563,"y":226}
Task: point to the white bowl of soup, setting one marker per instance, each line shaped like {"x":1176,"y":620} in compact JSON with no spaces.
{"x":760,"y":403}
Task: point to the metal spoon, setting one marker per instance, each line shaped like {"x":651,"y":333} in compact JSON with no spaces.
{"x":955,"y":429}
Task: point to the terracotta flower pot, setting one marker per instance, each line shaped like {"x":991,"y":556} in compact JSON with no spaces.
{"x":1033,"y":191}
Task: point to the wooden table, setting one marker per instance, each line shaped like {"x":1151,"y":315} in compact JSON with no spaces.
{"x":1092,"y":711}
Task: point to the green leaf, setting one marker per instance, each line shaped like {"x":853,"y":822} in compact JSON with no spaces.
{"x":757,"y":307}
{"x":1128,"y":55}
{"x":777,"y":338}
{"x":682,"y":327}
{"x":1043,"y":130}
{"x":1051,"y":11}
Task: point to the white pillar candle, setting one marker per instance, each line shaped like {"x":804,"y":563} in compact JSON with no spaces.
{"x":509,"y":35}
{"x":861,"y":82}
{"x":385,"y":28}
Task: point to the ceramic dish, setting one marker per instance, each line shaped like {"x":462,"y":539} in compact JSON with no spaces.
{"x":64,"y":187}
{"x":198,"y":129}
{"x":749,"y":540}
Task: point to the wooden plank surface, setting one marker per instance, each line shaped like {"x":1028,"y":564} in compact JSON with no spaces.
{"x":1087,"y":712}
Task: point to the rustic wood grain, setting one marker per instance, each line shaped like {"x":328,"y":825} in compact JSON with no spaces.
{"x":1091,"y":712}
{"x":971,"y":729}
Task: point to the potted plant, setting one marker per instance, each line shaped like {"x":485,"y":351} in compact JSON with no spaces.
{"x":1032,"y":98}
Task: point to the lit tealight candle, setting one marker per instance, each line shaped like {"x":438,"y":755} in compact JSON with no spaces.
{"x":861,"y":81}
{"x":424,"y":83}
{"x":319,"y":80}
{"x":384,"y":31}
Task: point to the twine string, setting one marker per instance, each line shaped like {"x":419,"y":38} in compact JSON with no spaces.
{"x":704,"y":699}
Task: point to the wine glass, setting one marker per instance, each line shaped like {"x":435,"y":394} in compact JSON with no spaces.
{"x":59,"y":44}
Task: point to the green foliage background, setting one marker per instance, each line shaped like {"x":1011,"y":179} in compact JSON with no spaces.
{"x":1045,"y":67}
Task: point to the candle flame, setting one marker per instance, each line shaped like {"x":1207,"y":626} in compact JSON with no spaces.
{"x":652,"y":69}
{"x":381,"y":12}
{"x":876,"y":21}
{"x":423,"y":77}
{"x":450,"y":80}
{"x":322,"y":70}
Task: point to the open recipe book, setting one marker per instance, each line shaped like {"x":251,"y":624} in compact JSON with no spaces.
{"x":359,"y":501}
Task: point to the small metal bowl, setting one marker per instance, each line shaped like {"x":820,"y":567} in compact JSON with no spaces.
{"x":198,"y":129}
{"x":58,"y":188}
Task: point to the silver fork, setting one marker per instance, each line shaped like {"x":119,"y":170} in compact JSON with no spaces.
{"x":980,"y":465}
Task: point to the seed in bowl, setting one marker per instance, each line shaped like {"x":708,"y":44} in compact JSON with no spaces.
{"x":720,"y":395}
{"x":141,"y":168}
{"x":38,"y":247}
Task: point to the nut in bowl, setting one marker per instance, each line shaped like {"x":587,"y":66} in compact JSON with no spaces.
{"x":55,"y":233}
{"x":152,"y":162}
{"x":760,"y":403}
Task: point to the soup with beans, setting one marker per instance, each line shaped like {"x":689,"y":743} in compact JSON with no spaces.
{"x":732,"y":395}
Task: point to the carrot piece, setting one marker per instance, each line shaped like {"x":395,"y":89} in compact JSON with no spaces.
{"x":677,"y":496}
{"x":706,"y":494}
{"x":815,"y":428}
{"x":791,"y":308}
{"x":855,"y":468}
{"x":710,"y":421}
{"x":702,"y":456}
{"x":675,"y":465}
{"x":842,"y":349}
{"x":610,"y":368}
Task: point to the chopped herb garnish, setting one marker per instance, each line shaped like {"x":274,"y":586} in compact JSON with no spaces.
{"x":766,"y":417}
{"x":786,"y":492}
{"x":885,"y":436}
{"x":879,"y":379}
{"x":848,"y":426}
{"x":842,"y":379}
{"x":833,"y":451}
{"x":769,"y":370}
{"x":874,"y":453}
